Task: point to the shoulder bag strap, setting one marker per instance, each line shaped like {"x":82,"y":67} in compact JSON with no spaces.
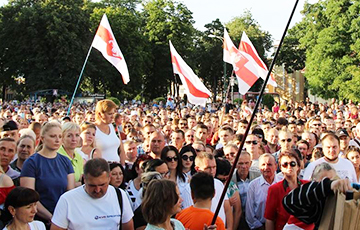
{"x":119,"y":196}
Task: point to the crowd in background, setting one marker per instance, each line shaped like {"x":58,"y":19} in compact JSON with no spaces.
{"x":43,"y":148}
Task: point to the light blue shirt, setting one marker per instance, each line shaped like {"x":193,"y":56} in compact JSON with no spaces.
{"x":256,"y":200}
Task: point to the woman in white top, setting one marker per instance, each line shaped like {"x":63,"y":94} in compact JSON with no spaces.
{"x":20,"y":204}
{"x":106,"y":139}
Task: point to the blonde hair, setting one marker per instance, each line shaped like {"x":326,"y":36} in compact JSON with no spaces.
{"x":69,"y":126}
{"x":49,"y":125}
{"x":104,"y":106}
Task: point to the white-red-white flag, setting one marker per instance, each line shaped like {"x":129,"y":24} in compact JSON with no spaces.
{"x":105,"y":42}
{"x":195,"y":90}
{"x":233,"y":56}
{"x":258,"y":67}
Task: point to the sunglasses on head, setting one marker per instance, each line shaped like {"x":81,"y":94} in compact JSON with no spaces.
{"x":288,"y":140}
{"x":251,"y":142}
{"x":170,"y":159}
{"x":185,"y":158}
{"x":292,"y":164}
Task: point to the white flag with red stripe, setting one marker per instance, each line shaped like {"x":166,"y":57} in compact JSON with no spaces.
{"x":239,"y":62}
{"x":258,"y":66}
{"x":105,"y":42}
{"x":195,"y":90}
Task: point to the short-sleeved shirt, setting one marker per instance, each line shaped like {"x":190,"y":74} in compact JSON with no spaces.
{"x":77,"y":163}
{"x":50,"y":177}
{"x":274,"y":210}
{"x":195,"y":218}
{"x":76,"y":210}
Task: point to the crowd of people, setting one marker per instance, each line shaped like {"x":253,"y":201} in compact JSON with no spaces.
{"x":164,"y":166}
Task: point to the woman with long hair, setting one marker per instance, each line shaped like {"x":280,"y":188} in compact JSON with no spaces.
{"x":171,"y":156}
{"x":188,"y":154}
{"x":158,"y":211}
{"x":48,"y":172}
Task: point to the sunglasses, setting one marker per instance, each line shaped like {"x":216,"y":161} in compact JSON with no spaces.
{"x":185,"y":158}
{"x":316,"y":124}
{"x":128,"y":126}
{"x":251,"y":142}
{"x":170,"y":159}
{"x":285,"y":164}
{"x":288,"y":140}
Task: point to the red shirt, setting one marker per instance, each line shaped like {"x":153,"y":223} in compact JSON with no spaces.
{"x":274,"y":209}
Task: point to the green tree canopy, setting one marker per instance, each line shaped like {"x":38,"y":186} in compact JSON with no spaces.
{"x":332,"y":40}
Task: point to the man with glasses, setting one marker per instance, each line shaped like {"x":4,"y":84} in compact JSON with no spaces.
{"x":331,"y":149}
{"x":257,"y":192}
{"x":252,"y":144}
{"x":286,"y":143}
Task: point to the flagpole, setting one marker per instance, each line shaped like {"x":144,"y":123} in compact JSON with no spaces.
{"x":78,"y":82}
{"x":252,"y":118}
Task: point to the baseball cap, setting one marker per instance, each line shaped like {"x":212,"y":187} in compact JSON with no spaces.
{"x":341,"y":132}
{"x":9,"y":126}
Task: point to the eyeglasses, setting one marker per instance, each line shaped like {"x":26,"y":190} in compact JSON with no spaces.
{"x":170,"y":159}
{"x":232,"y":154}
{"x":182,"y":123}
{"x":288,"y":140}
{"x":317,"y":124}
{"x":128,"y":126}
{"x":286,"y":164}
{"x":251,"y":142}
{"x":185,"y":158}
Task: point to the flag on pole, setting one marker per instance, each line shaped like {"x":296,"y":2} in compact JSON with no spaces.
{"x":259,"y":67}
{"x":105,"y":42}
{"x":195,"y":90}
{"x":239,"y":62}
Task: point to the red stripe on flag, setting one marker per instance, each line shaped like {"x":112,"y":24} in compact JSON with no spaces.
{"x":109,"y":40}
{"x":244,"y":73}
{"x":192,"y":89}
{"x":248,"y":49}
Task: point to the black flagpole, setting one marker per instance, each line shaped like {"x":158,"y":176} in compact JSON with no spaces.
{"x":252,"y":118}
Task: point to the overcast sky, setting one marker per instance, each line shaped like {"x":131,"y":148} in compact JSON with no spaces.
{"x":272,"y":15}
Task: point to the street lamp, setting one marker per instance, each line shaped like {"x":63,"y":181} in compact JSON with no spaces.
{"x":224,"y":66}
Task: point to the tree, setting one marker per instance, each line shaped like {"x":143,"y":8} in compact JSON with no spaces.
{"x":43,"y":41}
{"x":292,"y":53}
{"x":332,"y":55}
{"x":166,"y":20}
{"x":209,"y":56}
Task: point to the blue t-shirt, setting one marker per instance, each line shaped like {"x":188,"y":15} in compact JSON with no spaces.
{"x":50,"y":177}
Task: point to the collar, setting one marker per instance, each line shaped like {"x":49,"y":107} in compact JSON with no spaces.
{"x":286,"y":184}
{"x":238,"y":179}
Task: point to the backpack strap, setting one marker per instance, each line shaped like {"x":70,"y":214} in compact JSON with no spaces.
{"x":119,"y":196}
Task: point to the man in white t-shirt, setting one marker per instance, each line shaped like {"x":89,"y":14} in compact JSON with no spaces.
{"x":331,"y":148}
{"x":94,"y":205}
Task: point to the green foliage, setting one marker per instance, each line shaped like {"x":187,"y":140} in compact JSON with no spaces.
{"x":238,"y":101}
{"x":330,"y":33}
{"x":268,"y":101}
{"x":165,"y":20}
{"x":158,"y":99}
{"x":115,"y":100}
{"x":292,"y":54}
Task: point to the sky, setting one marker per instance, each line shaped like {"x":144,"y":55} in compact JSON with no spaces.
{"x":272,"y":15}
